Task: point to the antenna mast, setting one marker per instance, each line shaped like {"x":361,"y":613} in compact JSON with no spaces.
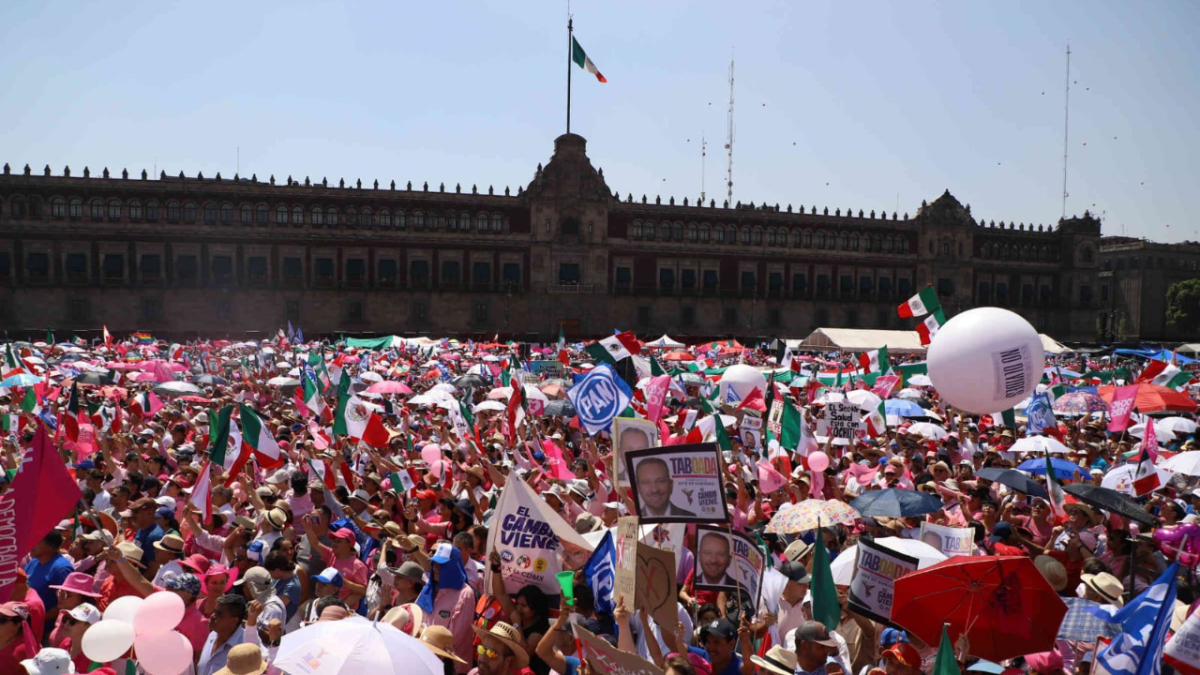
{"x":729,"y":142}
{"x":1066,"y":130}
{"x":703,"y":166}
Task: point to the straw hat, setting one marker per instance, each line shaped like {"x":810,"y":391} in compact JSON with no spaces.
{"x":245,"y":659}
{"x":440,"y":641}
{"x":777,"y":660}
{"x":1054,"y":571}
{"x":407,"y":618}
{"x":511,"y":637}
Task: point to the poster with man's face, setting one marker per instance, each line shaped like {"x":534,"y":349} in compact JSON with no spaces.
{"x":728,"y":561}
{"x":628,"y":434}
{"x":680,"y":483}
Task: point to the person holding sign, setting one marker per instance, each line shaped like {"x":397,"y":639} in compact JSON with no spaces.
{"x":655,"y":486}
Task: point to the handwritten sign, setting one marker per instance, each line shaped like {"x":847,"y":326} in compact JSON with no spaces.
{"x":656,"y":584}
{"x":840,"y":420}
{"x":876,"y":570}
{"x":604,"y":659}
{"x":627,"y":549}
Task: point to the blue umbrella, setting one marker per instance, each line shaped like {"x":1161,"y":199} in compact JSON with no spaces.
{"x":903,"y":408}
{"x":895,"y":503}
{"x":1062,"y":468}
{"x":20,"y":380}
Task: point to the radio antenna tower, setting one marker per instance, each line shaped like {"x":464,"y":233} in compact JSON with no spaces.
{"x":729,"y":142}
{"x":1066,"y":130}
{"x":703,"y":166}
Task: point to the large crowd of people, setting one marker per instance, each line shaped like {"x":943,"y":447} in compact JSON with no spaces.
{"x":276,"y":487}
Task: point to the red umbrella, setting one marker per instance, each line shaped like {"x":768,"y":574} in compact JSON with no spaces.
{"x":195,"y":399}
{"x":389,"y":387}
{"x":1006,"y":607}
{"x":678,"y":355}
{"x":1153,"y":398}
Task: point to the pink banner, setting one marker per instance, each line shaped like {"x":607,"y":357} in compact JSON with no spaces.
{"x":556,"y":463}
{"x":884,"y":384}
{"x":656,"y":395}
{"x":769,"y":480}
{"x":1121,"y":407}
{"x":536,"y":406}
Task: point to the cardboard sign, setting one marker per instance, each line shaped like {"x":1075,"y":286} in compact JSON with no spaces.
{"x":604,"y":659}
{"x":949,"y":540}
{"x":627,"y":548}
{"x":657,"y":591}
{"x":775,"y":417}
{"x":728,"y":561}
{"x":666,"y":537}
{"x":875,"y":572}
{"x":840,"y":420}
{"x":629,"y":434}
{"x":679,"y":483}
{"x":548,"y":368}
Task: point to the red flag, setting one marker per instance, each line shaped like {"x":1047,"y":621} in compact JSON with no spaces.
{"x":754,"y":401}
{"x":1121,"y":407}
{"x":515,"y":412}
{"x":1151,"y":371}
{"x":42,"y":494}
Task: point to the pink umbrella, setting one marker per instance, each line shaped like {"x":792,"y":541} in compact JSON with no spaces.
{"x":389,"y":387}
{"x":147,"y":376}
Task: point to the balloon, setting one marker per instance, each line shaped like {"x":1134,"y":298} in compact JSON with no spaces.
{"x":986,"y":359}
{"x":431,"y":453}
{"x":167,"y":653}
{"x":107,"y":640}
{"x":123,"y":609}
{"x":159,"y":613}
{"x":818,"y":461}
{"x":743,"y":379}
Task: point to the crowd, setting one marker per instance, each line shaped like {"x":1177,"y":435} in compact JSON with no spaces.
{"x":284,"y":489}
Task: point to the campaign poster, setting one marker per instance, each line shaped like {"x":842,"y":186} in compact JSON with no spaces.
{"x":529,"y":536}
{"x":751,"y":432}
{"x":604,"y":659}
{"x":679,"y":483}
{"x":666,"y":537}
{"x":728,"y":561}
{"x":876,"y":570}
{"x":629,"y":433}
{"x":840,"y":420}
{"x":949,"y":540}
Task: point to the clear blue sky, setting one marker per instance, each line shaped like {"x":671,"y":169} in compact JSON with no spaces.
{"x":838,"y":104}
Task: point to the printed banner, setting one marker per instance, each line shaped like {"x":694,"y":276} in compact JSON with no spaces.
{"x":840,"y":420}
{"x":884,"y":385}
{"x":1121,"y":407}
{"x":729,"y":562}
{"x":949,"y":540}
{"x":679,"y":483}
{"x":631,"y":433}
{"x":529,"y":536}
{"x":876,"y":570}
{"x":774,"y":418}
{"x":1183,"y":650}
{"x":604,"y":659}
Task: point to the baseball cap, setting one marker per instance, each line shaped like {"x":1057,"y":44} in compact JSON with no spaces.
{"x":85,"y":612}
{"x":330,"y":576}
{"x":722,"y":628}
{"x":795,"y":572}
{"x":443,"y":553}
{"x":1000,"y":531}
{"x":18,"y":609}
{"x":343,"y":533}
{"x":427,"y":494}
{"x":890,"y":636}
{"x":815,"y":631}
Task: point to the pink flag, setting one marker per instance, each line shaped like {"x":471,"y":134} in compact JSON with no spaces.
{"x":656,"y":394}
{"x":554,"y":459}
{"x":769,"y":480}
{"x":863,"y":474}
{"x":1121,"y":407}
{"x":298,"y":399}
{"x":884,"y":384}
{"x":85,"y":444}
{"x":1150,"y":441}
{"x":162,"y":373}
{"x":42,"y":494}
{"x":320,"y":439}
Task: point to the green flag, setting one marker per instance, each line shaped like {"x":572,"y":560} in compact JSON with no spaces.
{"x":1010,"y":418}
{"x":218,"y":434}
{"x":343,"y":397}
{"x":946,"y":663}
{"x":768,"y":402}
{"x":789,"y":427}
{"x":722,"y":436}
{"x":656,"y":368}
{"x":825,"y":607}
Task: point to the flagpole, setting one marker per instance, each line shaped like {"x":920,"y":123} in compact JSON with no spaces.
{"x":570,"y":49}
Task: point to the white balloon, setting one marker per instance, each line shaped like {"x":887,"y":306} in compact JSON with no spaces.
{"x":743,"y":379}
{"x":986,"y":359}
{"x":123,"y":609}
{"x":107,"y":640}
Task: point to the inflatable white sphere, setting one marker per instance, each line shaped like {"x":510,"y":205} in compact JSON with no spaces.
{"x":743,"y":379}
{"x":986,"y":359}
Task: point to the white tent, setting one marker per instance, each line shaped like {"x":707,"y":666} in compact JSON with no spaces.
{"x":861,"y":340}
{"x":1052,"y":346}
{"x":665,"y":342}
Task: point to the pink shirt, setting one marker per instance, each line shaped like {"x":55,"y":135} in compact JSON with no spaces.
{"x":455,"y":610}
{"x":352,"y":570}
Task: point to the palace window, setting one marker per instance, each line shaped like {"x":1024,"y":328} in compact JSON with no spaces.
{"x":318,"y":215}
{"x":58,"y":207}
{"x":189,"y":212}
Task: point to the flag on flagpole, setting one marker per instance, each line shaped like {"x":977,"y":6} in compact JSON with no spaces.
{"x":1145,"y":620}
{"x":257,"y":441}
{"x":875,"y":361}
{"x":107,"y":337}
{"x":201,"y":496}
{"x":945,"y":663}
{"x":563,"y":357}
{"x":929,"y":327}
{"x":146,"y":404}
{"x":825,"y":606}
{"x":1058,"y":499}
{"x":920,"y":304}
{"x":581,"y":59}
{"x":514,"y":413}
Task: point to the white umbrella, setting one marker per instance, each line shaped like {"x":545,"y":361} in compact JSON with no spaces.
{"x":1186,"y":463}
{"x":926,"y":555}
{"x":1164,"y":435}
{"x":354,"y":646}
{"x":531,"y":393}
{"x":370,"y":377}
{"x":920,"y":381}
{"x":865,"y":399}
{"x":928,"y":430}
{"x":283,"y":381}
{"x":1180,"y":425}
{"x":422,"y":400}
{"x":443,"y":388}
{"x":910,"y":394}
{"x":176,"y":389}
{"x":1039,"y":444}
{"x":489,"y":405}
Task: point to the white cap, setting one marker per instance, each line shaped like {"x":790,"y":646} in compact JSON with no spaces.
{"x":166,"y":501}
{"x":50,"y":662}
{"x":85,"y":612}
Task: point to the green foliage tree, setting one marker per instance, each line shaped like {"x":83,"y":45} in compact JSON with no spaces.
{"x":1183,"y":306}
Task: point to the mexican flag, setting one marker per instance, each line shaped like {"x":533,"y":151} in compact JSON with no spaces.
{"x":107,"y":337}
{"x":563,"y":357}
{"x":219,"y":429}
{"x":877,"y":421}
{"x":31,"y":402}
{"x":1145,"y":478}
{"x":922,"y":303}
{"x":613,"y":349}
{"x":1172,"y":378}
{"x":146,"y":404}
{"x":201,"y":496}
{"x":257,"y":441}
{"x":581,"y":59}
{"x":929,"y":327}
{"x":514,"y":413}
{"x":875,"y":361}
{"x":1058,"y":499}
{"x":311,"y":393}
{"x":356,"y":420}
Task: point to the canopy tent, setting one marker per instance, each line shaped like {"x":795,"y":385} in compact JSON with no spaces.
{"x":1052,"y":346}
{"x":1156,"y":353}
{"x":1190,"y":348}
{"x":861,"y":340}
{"x":387,"y":342}
{"x":665,"y":342}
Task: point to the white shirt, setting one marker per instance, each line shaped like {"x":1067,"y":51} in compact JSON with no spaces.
{"x":166,"y":572}
{"x":214,"y":656}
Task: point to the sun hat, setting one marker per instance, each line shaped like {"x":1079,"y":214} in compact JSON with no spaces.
{"x":78,"y":582}
{"x":244,"y":659}
{"x":1106,"y":586}
{"x":1053,"y":570}
{"x":49,"y":661}
{"x":440,"y":641}
{"x":132,"y":552}
{"x":171,"y":543}
{"x":511,"y":638}
{"x":407,"y":617}
{"x":777,"y":660}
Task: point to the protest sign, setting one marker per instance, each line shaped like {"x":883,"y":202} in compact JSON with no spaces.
{"x":877,"y":567}
{"x":630,"y":433}
{"x":627,"y":543}
{"x":547,"y":368}
{"x":680,"y":483}
{"x":665,"y":536}
{"x":949,"y":540}
{"x":1183,"y":650}
{"x":775,"y":418}
{"x":529,"y":536}
{"x":884,"y":385}
{"x":604,"y":659}
{"x":751,"y":432}
{"x":657,"y":590}
{"x":840,"y":420}
{"x":728,"y":561}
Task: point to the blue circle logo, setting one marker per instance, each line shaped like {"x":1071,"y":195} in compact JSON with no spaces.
{"x":597,"y":399}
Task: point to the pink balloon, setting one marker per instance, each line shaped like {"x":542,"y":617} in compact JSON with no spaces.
{"x":160,"y":613}
{"x":818,"y":461}
{"x":431,"y":453}
{"x":167,"y":653}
